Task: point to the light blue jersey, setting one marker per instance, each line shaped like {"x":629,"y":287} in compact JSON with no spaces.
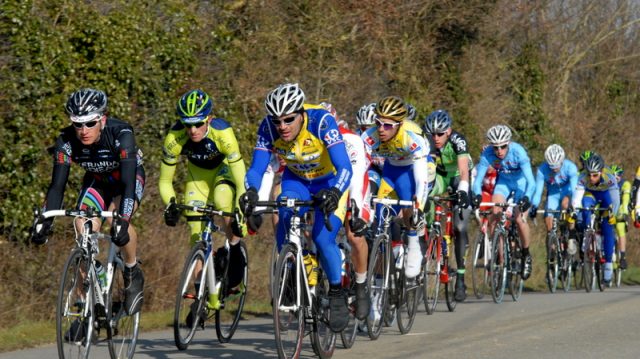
{"x":559,"y":184}
{"x":514,"y":172}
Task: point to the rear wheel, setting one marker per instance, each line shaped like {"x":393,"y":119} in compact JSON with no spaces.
{"x":479,"y":271}
{"x":589,"y":266}
{"x":516,"y":283}
{"x":348,"y":335}
{"x":323,"y":340}
{"x":450,"y":286}
{"x":377,"y":285}
{"x":232,"y":299}
{"x":498,"y":268}
{"x":75,"y":314}
{"x":408,"y":306}
{"x":552,"y":263}
{"x":599,"y":273}
{"x":567,"y":271}
{"x":288,"y":317}
{"x":190,"y":301}
{"x":431,"y":271}
{"x":122,"y":329}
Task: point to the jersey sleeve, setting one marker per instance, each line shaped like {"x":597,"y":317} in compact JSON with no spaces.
{"x":60,"y":174}
{"x":537,"y":197}
{"x":481,"y":170}
{"x":128,"y":164}
{"x":525,"y":165}
{"x":330,"y":135}
{"x":170,"y":155}
{"x":261,"y":156}
{"x":228,"y":146}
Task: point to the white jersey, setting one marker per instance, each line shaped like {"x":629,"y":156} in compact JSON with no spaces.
{"x":360,"y":161}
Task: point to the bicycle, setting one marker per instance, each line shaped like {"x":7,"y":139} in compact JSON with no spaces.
{"x":436,"y":269}
{"x":592,"y":266}
{"x":201,"y":291}
{"x":481,"y":249}
{"x":88,"y":302}
{"x":559,"y":258}
{"x":295,"y":303}
{"x":384,"y":278}
{"x":506,"y":255}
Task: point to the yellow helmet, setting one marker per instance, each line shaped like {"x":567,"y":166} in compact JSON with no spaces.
{"x":392,"y":107}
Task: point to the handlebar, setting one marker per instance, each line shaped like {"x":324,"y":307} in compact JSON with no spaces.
{"x":393,"y":202}
{"x":206,"y":210}
{"x":89,"y":213}
{"x":495,"y":204}
{"x":294,"y":203}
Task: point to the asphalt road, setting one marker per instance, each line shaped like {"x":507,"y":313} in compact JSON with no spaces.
{"x":540,"y":325}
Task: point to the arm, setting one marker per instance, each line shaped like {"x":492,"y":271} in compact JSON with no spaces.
{"x":625,"y":199}
{"x":537,"y":197}
{"x":229,"y":144}
{"x":170,"y":152}
{"x":128,"y":162}
{"x":481,"y":170}
{"x":528,"y":174}
{"x":261,"y":157}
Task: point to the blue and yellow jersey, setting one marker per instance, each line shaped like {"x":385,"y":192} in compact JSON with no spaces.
{"x":403,"y":149}
{"x":317,"y":153}
{"x":606,"y":183}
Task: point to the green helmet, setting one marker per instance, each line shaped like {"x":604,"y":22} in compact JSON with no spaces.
{"x":617,"y":170}
{"x":584,"y":156}
{"x":194,"y":106}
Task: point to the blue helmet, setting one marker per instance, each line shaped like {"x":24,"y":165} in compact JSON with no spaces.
{"x":438,"y":121}
{"x":194,"y":106}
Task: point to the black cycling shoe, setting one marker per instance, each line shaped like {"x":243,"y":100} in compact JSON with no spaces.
{"x":77,"y":332}
{"x":133,"y":289}
{"x":527,"y":268}
{"x":363,"y":302}
{"x":461,"y":289}
{"x":623,"y":263}
{"x":338,"y":310}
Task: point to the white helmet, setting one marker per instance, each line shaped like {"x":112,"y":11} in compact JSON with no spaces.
{"x":366,"y":115}
{"x":554,"y":155}
{"x":499,"y":135}
{"x":285,"y":99}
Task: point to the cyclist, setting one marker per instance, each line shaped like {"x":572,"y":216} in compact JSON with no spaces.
{"x":316,"y":165}
{"x":452,"y":173}
{"x":598,"y":185}
{"x":106,"y":148}
{"x":635,"y":195}
{"x":560,"y":175}
{"x":406,"y":173}
{"x":622,"y":217}
{"x":365,"y":118}
{"x":513,"y":165}
{"x":215,"y":172}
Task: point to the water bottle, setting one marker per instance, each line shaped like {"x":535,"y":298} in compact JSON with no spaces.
{"x":398,"y":253}
{"x":343,"y":264}
{"x":101,"y":273}
{"x":599,"y":241}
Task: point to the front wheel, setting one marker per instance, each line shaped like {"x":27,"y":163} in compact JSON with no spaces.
{"x":450,"y":286}
{"x":189,"y":311}
{"x":75,"y":312}
{"x":552,"y":263}
{"x":232,"y":296}
{"x":122,"y":329}
{"x":408,"y":305}
{"x":498,"y":268}
{"x":288,"y":313}
{"x":479,"y":265}
{"x":377,"y":285}
{"x":431,"y":275}
{"x":348,"y":335}
{"x":323,"y":340}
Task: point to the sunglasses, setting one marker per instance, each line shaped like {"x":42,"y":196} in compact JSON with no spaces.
{"x":501,"y":147}
{"x":594,"y":175}
{"x":439,"y":134}
{"x":287,"y":121}
{"x":89,"y":124}
{"x":196,"y":125}
{"x":387,"y":126}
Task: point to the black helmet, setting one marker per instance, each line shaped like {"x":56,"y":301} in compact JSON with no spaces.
{"x":595,"y":163}
{"x":84,"y":104}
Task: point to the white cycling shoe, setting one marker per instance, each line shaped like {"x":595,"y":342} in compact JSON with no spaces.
{"x":413,"y":261}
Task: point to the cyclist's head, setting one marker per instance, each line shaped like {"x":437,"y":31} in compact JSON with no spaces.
{"x":194,"y":107}
{"x":366,"y":116}
{"x":594,"y":164}
{"x":554,"y":155}
{"x":284,"y":100}
{"x":86,"y":105}
{"x":499,"y":135}
{"x":411,"y":112}
{"x":437,"y":122}
{"x":617,"y":170}
{"x":392,"y":108}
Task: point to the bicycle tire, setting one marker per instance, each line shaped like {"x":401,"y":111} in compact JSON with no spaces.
{"x":122,"y":329}
{"x":188,"y":297}
{"x":599,"y":274}
{"x":552,"y":263}
{"x":450,"y":286}
{"x":567,"y":271}
{"x":479,"y":277}
{"x":377,"y":285}
{"x":288,"y":322}
{"x":232,"y":299}
{"x":323,"y":340}
{"x":272,"y":265}
{"x":348,"y":335}
{"x":588,"y":268}
{"x":76,"y":274}
{"x":407,"y":310}
{"x":516,"y":283}
{"x":431,"y":275}
{"x":498,"y":267}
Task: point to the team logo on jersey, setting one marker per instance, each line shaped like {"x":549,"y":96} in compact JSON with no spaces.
{"x":307,"y":142}
{"x":332,"y":137}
